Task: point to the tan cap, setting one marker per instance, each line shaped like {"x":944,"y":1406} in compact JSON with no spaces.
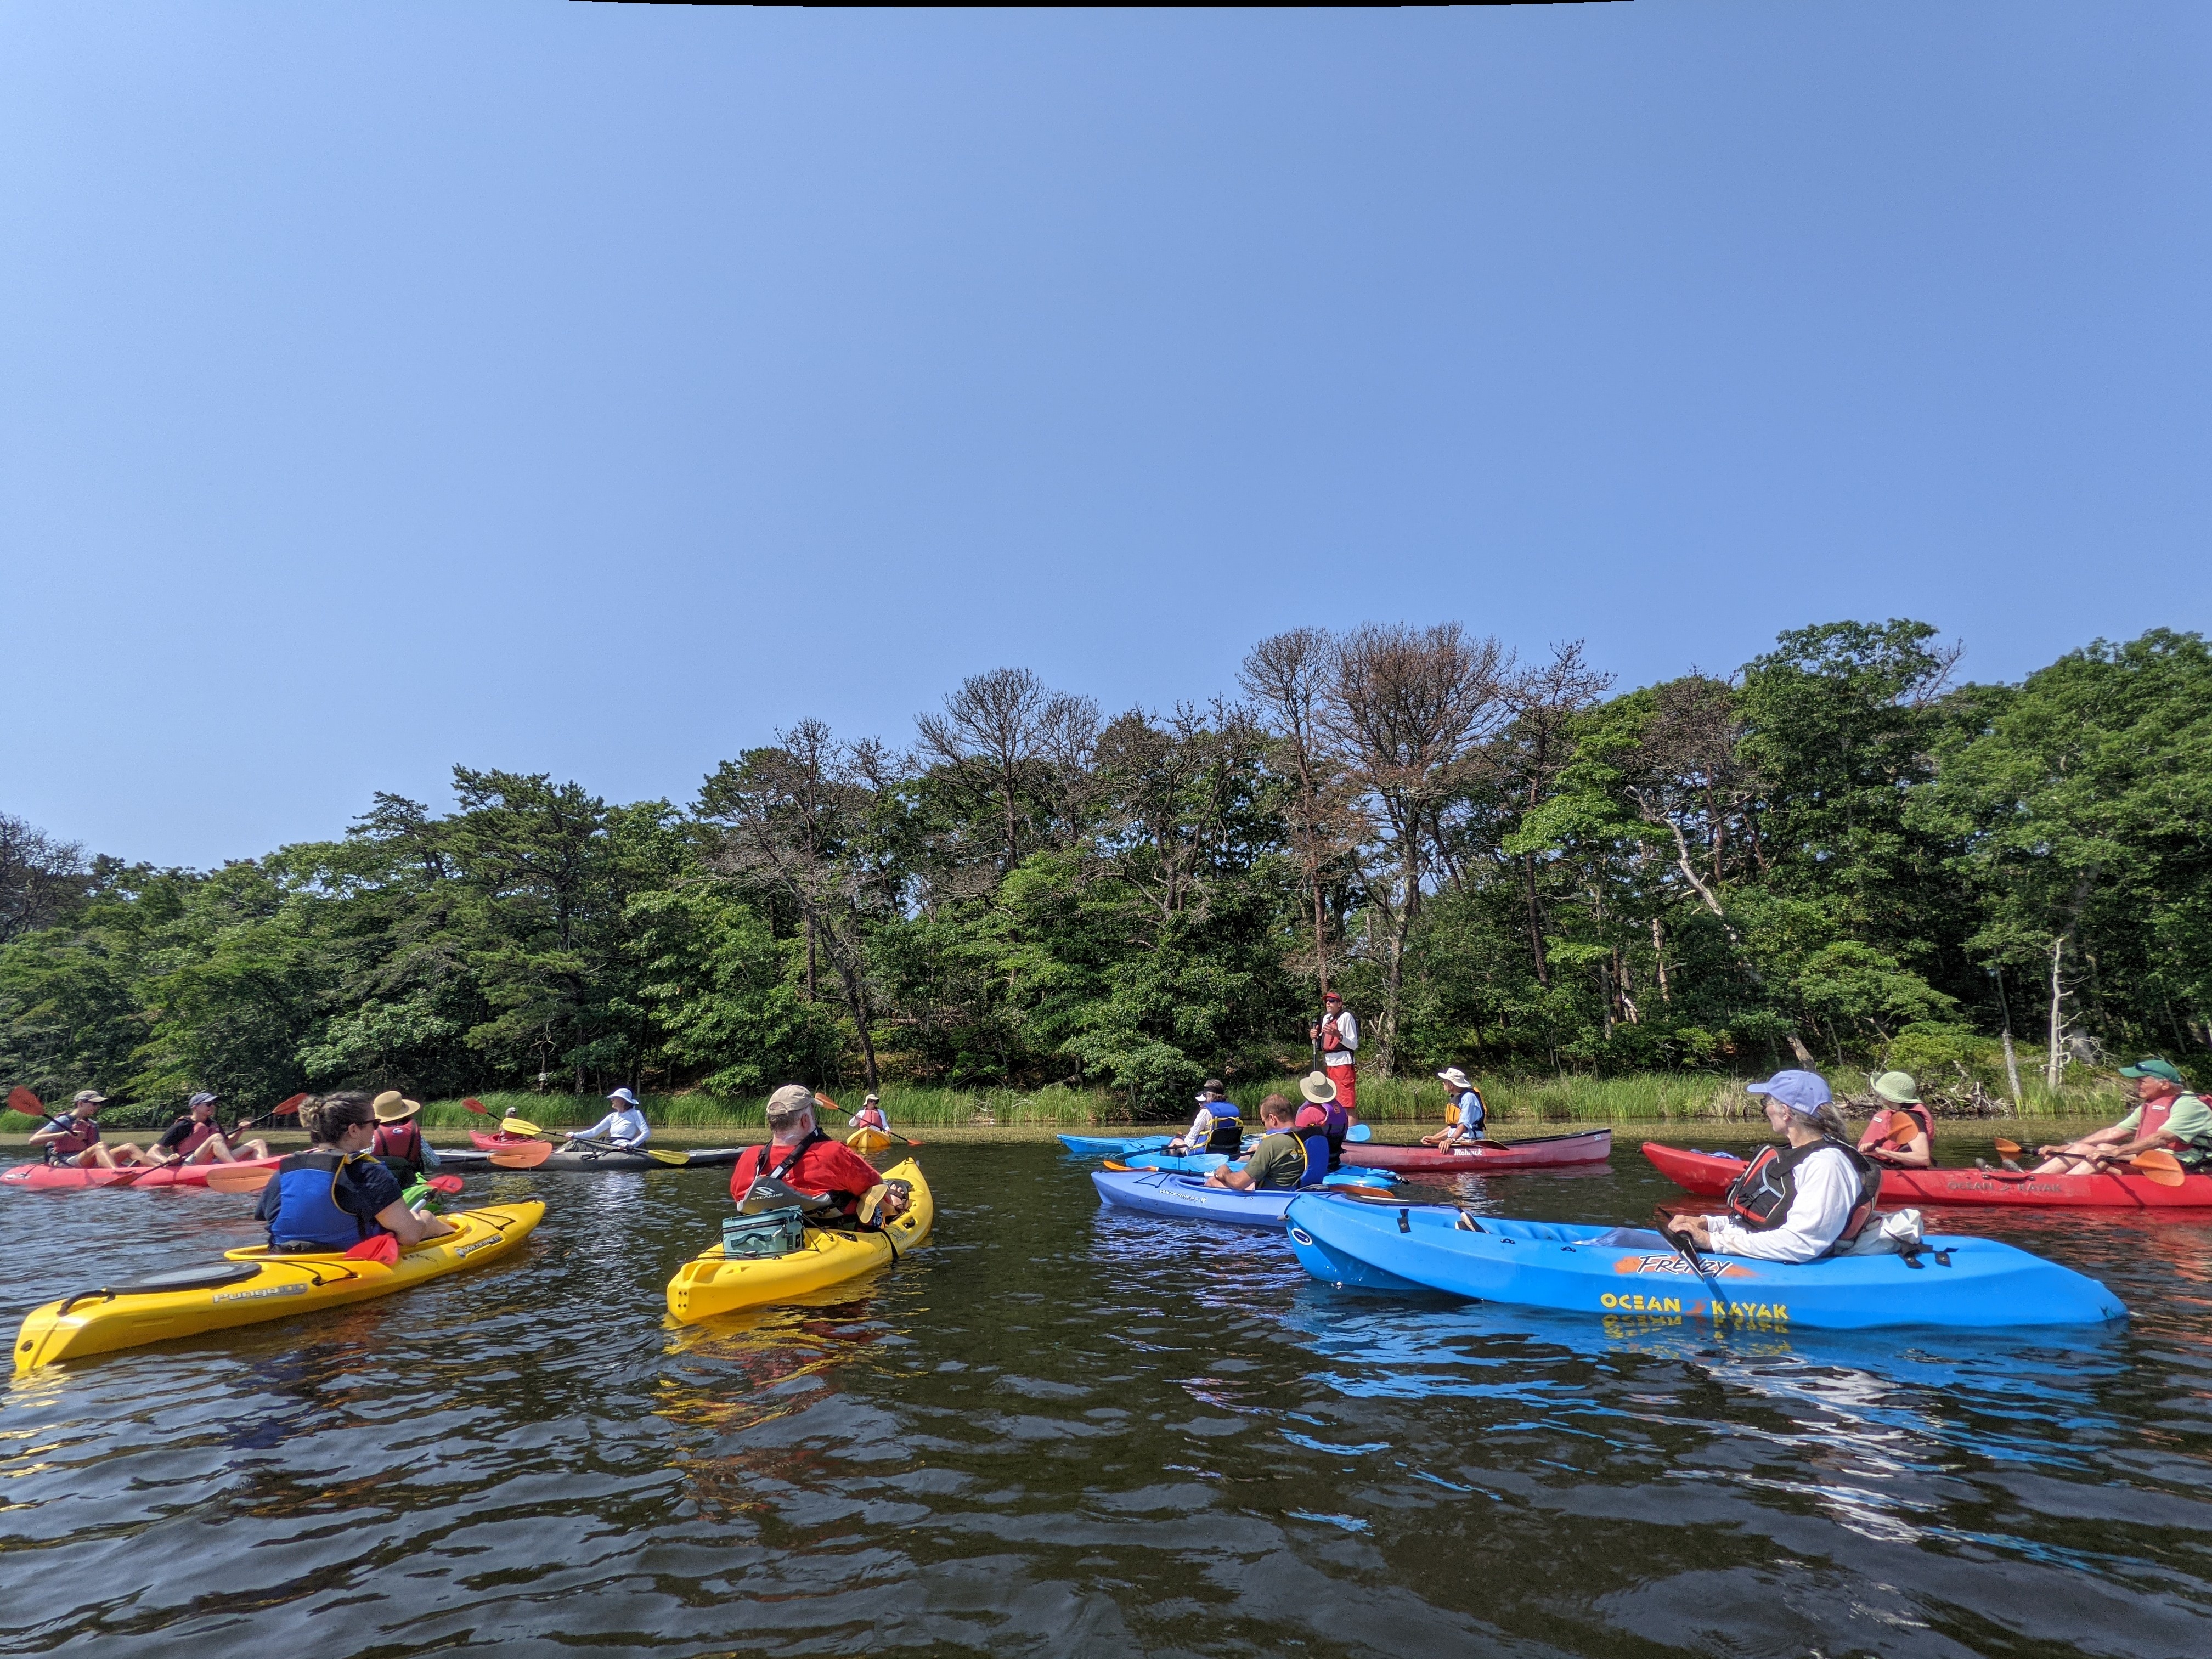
{"x":1457,"y":1078}
{"x":791,"y":1100}
{"x":89,"y":1098}
{"x":1316,"y":1088}
{"x":391,"y":1108}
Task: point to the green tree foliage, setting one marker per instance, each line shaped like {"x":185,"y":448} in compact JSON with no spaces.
{"x":1825,"y":854}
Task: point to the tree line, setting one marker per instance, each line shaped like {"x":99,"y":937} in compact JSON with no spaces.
{"x":1834,"y":854}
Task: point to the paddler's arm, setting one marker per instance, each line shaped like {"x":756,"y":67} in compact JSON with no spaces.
{"x":410,"y":1226}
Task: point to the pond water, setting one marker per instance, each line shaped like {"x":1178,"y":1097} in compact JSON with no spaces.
{"x":1060,"y":1431}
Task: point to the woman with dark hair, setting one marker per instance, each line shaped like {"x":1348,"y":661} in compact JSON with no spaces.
{"x":334,"y":1196}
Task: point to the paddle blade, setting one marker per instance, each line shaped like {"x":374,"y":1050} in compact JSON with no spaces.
{"x":289,"y":1107}
{"x":1118,"y":1168}
{"x":1901,"y":1131}
{"x":515,"y":1126}
{"x":2006,"y":1148}
{"x":675,"y":1160}
{"x":383,"y":1248}
{"x":821,"y":1099}
{"x":21,"y":1099}
{"x":1359,"y":1132}
{"x":228,"y":1178}
{"x":449,"y":1185}
{"x":2161,"y":1167}
{"x":528,"y":1155}
{"x":472,"y":1104}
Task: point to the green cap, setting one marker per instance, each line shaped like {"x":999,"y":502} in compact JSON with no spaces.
{"x":1896,"y":1087}
{"x":2154,"y":1068}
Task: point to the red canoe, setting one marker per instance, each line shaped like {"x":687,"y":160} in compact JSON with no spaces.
{"x":67,"y":1177}
{"x":1590,"y":1146}
{"x":1708,"y":1174}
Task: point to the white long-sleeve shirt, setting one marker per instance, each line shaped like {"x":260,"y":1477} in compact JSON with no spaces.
{"x":626,"y":1127}
{"x":1827,"y":1191}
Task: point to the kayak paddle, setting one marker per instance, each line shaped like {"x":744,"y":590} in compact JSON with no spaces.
{"x":384,"y":1249}
{"x":676,"y":1160}
{"x":21,"y":1099}
{"x":821,"y":1099}
{"x":230,"y":1178}
{"x":509,"y":1125}
{"x":2158,"y":1166}
{"x":523,"y":1155}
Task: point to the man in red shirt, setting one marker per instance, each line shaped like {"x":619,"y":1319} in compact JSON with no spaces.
{"x":801,"y":1157}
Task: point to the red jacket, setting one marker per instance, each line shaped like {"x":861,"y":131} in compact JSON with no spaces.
{"x":825,"y":1166}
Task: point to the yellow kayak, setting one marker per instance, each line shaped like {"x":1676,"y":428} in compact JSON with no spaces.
{"x":251,"y":1286}
{"x":710,"y":1284}
{"x":868,"y":1140}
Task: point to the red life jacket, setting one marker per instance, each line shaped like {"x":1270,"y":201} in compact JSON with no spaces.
{"x":398,"y":1147}
{"x":1920,"y":1115}
{"x":1761,"y":1196}
{"x":194,"y":1138}
{"x":752,"y":1163}
{"x":2155,"y":1117}
{"x":1331,"y":1043}
{"x":76,"y":1138}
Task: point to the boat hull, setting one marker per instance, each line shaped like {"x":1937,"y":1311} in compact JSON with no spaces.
{"x":67,"y":1178}
{"x":1709,"y":1175}
{"x":710,"y":1284}
{"x":1590,"y":1146}
{"x":1606,"y":1273}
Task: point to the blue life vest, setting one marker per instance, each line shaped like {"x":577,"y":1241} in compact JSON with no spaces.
{"x":300,"y":1204}
{"x":1318,"y":1159}
{"x":1227,"y":1134}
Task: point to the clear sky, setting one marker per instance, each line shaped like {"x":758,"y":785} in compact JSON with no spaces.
{"x":594,"y":389}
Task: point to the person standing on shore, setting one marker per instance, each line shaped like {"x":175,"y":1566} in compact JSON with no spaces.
{"x":1338,"y":1035}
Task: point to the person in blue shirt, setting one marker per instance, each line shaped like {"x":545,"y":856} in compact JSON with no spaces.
{"x":1469,"y":1116}
{"x":334,"y":1196}
{"x":623,"y":1127}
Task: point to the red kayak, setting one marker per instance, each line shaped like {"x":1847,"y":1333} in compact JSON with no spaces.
{"x":67,"y":1177}
{"x":1590,"y":1146}
{"x":1708,"y":1175}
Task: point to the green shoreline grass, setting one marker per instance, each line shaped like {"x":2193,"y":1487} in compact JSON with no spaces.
{"x":1643,"y":1097}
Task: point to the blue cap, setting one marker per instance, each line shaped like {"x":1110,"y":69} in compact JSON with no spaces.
{"x":1801,"y":1091}
{"x":201,"y":1100}
{"x":623,"y":1094}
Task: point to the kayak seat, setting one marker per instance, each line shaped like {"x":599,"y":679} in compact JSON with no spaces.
{"x":1630,"y":1238}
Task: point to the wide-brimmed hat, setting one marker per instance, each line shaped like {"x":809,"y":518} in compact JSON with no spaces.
{"x":2158,"y":1068}
{"x":391,"y":1107}
{"x":624,"y":1096}
{"x":1316,"y":1088}
{"x":1457,"y":1078}
{"x":1897,"y":1088}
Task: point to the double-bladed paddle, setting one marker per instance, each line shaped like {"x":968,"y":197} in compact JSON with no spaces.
{"x":821,"y":1099}
{"x":675,"y":1160}
{"x":2158,"y":1166}
{"x":509,"y":1125}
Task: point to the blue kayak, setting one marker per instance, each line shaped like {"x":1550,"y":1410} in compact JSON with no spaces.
{"x":1612,"y":1272}
{"x":1188,"y":1197}
{"x":1200,"y":1163}
{"x":1113,"y":1145}
{"x":1124,"y":1146}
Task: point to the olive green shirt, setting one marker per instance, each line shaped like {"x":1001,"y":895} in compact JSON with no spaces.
{"x":1278,"y":1161}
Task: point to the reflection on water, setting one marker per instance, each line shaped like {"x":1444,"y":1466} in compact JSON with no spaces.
{"x":1059,"y":1431}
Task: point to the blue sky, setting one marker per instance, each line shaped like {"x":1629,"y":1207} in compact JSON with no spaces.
{"x":594,"y":389}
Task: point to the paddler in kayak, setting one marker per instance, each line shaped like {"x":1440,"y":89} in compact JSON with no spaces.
{"x":2166,"y":1118}
{"x":870,"y":1115}
{"x":398,"y":1144}
{"x":1337,"y":1036}
{"x":1798,"y":1204}
{"x":1216,"y":1128}
{"x":1293,"y":1153}
{"x":623,"y":1127}
{"x":1901,"y":1135}
{"x":802,"y":1157}
{"x":194,"y":1139}
{"x":334,"y":1196}
{"x":1468,"y":1116}
{"x":74,"y":1137}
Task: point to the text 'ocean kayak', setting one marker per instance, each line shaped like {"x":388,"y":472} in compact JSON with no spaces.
{"x":1189,"y":1198}
{"x":1709,"y":1175}
{"x":1589,"y":1147}
{"x":251,"y":1286}
{"x":1613,"y":1271}
{"x":711,"y":1283}
{"x":67,"y":1177}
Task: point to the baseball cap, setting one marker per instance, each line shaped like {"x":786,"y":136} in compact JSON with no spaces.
{"x":1801,"y":1091}
{"x":2152,"y":1067}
